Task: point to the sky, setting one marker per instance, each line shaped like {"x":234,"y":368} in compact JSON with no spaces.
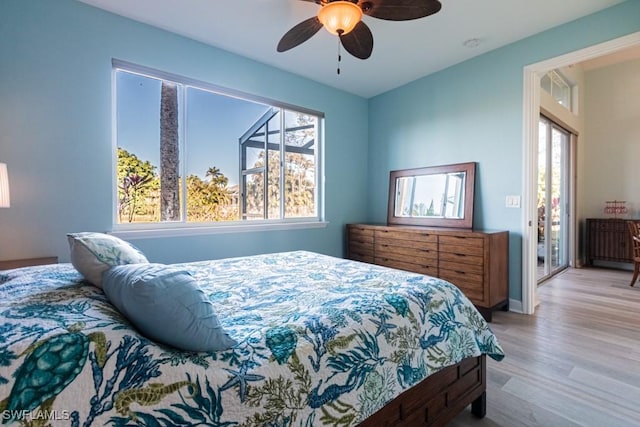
{"x":213,"y":126}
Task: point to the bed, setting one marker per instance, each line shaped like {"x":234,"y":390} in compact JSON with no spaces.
{"x":320,"y":341}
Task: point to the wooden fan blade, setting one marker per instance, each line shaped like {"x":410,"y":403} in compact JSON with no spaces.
{"x":299,"y":34}
{"x":359,"y":41}
{"x":399,"y":10}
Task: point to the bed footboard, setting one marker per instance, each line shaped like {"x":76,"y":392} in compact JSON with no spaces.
{"x":437,"y":399}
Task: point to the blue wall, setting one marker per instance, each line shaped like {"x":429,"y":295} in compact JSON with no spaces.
{"x":473,"y":112}
{"x":55,"y":127}
{"x":55,"y":130}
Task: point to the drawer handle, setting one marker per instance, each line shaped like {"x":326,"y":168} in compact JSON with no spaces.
{"x":460,"y":272}
{"x":462,"y":255}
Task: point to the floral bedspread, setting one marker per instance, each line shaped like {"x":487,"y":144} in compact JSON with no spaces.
{"x":322,"y":341}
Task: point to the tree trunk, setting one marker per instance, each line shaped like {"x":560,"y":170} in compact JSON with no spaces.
{"x":169,"y":153}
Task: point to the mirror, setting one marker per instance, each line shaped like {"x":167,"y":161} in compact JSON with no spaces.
{"x":436,"y":196}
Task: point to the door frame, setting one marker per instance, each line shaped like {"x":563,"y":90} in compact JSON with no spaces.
{"x":531,"y":114}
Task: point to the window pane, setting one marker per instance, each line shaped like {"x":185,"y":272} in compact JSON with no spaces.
{"x":558,"y":87}
{"x":213,"y":125}
{"x":542,"y":179}
{"x":254,"y":183}
{"x":562,"y":95}
{"x":559,"y":140}
{"x":300,"y":164}
{"x":138,"y":140}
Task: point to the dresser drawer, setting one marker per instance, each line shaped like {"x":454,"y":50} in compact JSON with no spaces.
{"x":420,"y":250}
{"x":477,"y":268}
{"x":460,"y":277}
{"x":429,"y":270}
{"x":462,"y":247}
{"x":474,"y":293}
{"x":475,"y":242}
{"x":361,"y":244}
{"x":357,"y":256}
{"x":360,"y":235}
{"x":413,"y":259}
{"x":361,"y":252}
{"x":415,"y":236}
{"x":459,"y":257}
{"x":471,"y":284}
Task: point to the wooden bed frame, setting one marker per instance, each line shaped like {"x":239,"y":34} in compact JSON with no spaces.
{"x":438,"y":399}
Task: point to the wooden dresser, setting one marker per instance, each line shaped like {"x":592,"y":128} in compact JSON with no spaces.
{"x":608,"y":239}
{"x":475,"y":261}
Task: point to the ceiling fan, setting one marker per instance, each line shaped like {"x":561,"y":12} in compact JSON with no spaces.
{"x":343,"y":18}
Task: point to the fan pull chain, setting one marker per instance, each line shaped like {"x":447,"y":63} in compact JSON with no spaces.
{"x":339,"y":56}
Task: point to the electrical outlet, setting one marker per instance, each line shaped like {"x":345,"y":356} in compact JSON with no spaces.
{"x":513,"y":201}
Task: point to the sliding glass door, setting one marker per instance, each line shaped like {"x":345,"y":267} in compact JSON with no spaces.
{"x":553,"y":198}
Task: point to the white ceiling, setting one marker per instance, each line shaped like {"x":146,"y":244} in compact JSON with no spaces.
{"x":617,"y":57}
{"x":402,"y":52}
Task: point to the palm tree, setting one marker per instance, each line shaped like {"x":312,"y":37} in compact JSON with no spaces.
{"x":218,"y":194}
{"x":169,"y":153}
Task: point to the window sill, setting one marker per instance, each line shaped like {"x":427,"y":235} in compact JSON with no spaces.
{"x":183,"y":231}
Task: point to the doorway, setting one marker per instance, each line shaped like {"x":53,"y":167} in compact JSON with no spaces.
{"x":553,"y":196}
{"x":531,"y":115}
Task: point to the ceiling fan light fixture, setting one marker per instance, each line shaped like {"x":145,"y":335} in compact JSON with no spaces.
{"x":340,"y":17}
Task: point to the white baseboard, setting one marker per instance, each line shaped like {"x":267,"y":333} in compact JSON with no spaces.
{"x":515,"y":305}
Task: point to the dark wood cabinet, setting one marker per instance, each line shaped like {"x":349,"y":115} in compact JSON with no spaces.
{"x":608,"y":239}
{"x":17,"y":263}
{"x":474,"y":261}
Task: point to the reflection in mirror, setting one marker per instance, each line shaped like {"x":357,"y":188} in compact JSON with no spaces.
{"x":438,"y":195}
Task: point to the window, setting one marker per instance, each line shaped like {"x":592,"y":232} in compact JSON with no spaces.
{"x":558,"y":87}
{"x":190,"y":153}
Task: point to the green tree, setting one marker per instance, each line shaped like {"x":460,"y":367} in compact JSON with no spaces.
{"x":210,"y":199}
{"x":299,"y":185}
{"x":300,"y":169}
{"x":137,"y":185}
{"x":299,"y":175}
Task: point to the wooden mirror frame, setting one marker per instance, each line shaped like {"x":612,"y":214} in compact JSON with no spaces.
{"x":469,"y":185}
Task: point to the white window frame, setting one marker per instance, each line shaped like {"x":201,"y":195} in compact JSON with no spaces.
{"x":556,"y":78}
{"x":184,"y":228}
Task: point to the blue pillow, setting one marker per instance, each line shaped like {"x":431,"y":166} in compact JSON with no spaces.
{"x":167,"y":305}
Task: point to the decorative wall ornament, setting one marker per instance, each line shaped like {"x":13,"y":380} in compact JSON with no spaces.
{"x":615,"y":208}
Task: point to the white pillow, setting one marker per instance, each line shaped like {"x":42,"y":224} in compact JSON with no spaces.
{"x":94,"y":253}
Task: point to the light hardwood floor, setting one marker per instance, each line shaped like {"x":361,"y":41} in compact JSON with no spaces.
{"x":576,"y":362}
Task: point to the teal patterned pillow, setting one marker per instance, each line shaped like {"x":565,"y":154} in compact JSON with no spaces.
{"x":94,"y":253}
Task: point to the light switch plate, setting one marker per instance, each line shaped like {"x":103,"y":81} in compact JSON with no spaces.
{"x":513,"y":201}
